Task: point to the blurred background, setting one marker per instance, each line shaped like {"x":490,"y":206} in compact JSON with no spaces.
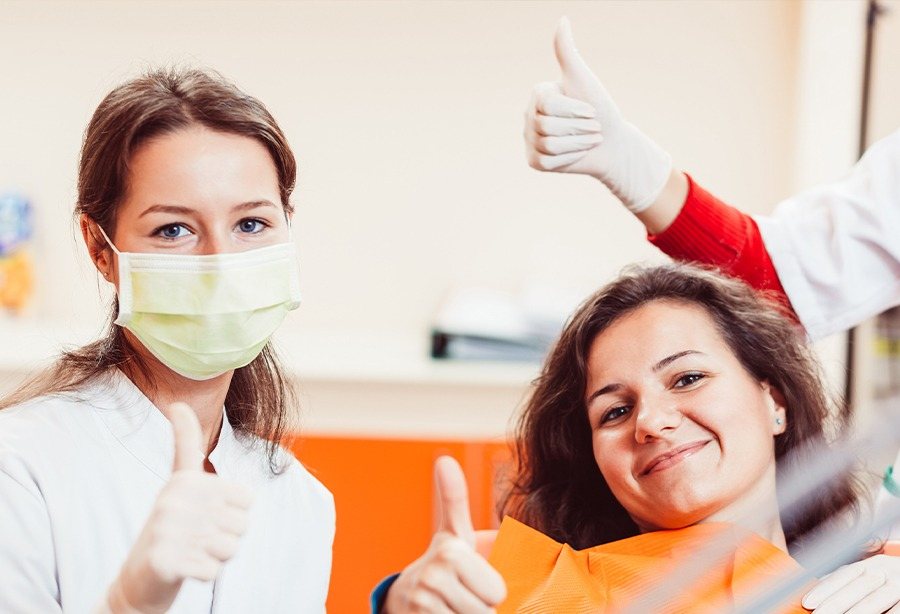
{"x":406,"y":118}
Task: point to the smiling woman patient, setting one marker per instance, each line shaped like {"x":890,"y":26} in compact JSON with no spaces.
{"x":183,"y":202}
{"x":671,"y":398}
{"x":663,"y":420}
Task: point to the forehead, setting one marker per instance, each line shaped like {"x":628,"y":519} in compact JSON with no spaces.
{"x":652,"y":332}
{"x":198,"y":158}
{"x":196,"y":139}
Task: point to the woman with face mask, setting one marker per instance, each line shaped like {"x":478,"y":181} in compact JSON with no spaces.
{"x":143,"y":472}
{"x":666,"y":417}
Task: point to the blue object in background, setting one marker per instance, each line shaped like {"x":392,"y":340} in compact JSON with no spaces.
{"x":16,"y":222}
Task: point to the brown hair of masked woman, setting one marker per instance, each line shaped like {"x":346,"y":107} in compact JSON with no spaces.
{"x":161,"y":102}
{"x":559,"y":489}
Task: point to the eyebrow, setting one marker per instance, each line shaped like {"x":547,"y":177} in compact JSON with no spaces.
{"x":657,"y":367}
{"x":178,"y":209}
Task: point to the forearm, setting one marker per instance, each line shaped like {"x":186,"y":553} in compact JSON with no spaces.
{"x":690,"y":224}
{"x":667,"y":206}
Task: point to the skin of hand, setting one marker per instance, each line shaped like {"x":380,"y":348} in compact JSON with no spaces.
{"x":451,"y":576}
{"x":871,"y":586}
{"x":574,"y":126}
{"x":194,"y":528}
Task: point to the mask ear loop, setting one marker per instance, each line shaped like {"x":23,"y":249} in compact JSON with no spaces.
{"x":124,"y":289}
{"x":108,"y":242}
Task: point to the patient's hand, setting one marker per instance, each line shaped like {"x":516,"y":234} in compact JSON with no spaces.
{"x":451,"y":576}
{"x":871,"y":586}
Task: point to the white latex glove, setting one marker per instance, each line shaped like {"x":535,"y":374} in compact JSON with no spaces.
{"x":575,"y":127}
{"x":451,"y":576}
{"x":193,"y":529}
{"x":871,"y":586}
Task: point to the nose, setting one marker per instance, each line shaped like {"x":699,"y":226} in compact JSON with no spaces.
{"x":655,"y":418}
{"x":215,"y":242}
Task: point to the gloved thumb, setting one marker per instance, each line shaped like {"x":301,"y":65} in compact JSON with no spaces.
{"x":577,"y":76}
{"x":188,"y":438}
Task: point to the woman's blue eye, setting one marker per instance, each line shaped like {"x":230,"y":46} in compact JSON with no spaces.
{"x":615,"y":412}
{"x":687,"y":379}
{"x":251,"y":225}
{"x":171,"y":231}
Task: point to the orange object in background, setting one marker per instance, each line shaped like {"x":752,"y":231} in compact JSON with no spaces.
{"x":385,"y":499}
{"x":16,"y":280}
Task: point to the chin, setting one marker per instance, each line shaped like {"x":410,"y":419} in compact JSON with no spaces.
{"x":666,"y":518}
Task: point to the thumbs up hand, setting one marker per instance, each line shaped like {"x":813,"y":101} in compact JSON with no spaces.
{"x":194,"y":527}
{"x":450,"y":576}
{"x":574,"y":126}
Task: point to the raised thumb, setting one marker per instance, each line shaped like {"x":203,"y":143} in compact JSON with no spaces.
{"x":575,"y":72}
{"x":450,"y":483}
{"x":188,"y":438}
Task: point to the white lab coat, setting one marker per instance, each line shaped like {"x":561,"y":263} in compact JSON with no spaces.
{"x":79,"y":474}
{"x":836,"y":248}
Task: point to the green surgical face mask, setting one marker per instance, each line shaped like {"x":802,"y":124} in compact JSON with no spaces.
{"x":205,"y":315}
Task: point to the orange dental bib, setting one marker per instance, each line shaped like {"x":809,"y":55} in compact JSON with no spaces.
{"x":543,"y":576}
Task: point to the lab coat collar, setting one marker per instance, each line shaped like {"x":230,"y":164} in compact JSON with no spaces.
{"x":238,"y":456}
{"x":144,"y":432}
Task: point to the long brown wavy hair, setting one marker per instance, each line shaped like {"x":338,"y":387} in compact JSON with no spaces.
{"x":558,"y":488}
{"x":161,"y":102}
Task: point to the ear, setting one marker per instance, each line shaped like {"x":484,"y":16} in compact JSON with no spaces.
{"x":777,"y":408}
{"x":98,"y":248}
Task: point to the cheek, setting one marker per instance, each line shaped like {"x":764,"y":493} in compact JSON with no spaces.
{"x":281,"y":230}
{"x":734,"y":413}
{"x":745,"y":436}
{"x":614,"y":461}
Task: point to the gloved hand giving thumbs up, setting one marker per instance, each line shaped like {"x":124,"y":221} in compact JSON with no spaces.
{"x":451,"y":576}
{"x":193,"y":529}
{"x":574,"y":126}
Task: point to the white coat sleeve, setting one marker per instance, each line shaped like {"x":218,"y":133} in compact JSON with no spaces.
{"x":27,"y":561}
{"x":836,"y":248}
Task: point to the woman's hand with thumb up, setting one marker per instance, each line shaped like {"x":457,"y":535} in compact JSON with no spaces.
{"x":194,"y":527}
{"x":451,"y":576}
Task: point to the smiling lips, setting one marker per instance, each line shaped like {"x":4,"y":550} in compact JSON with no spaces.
{"x":673,"y":457}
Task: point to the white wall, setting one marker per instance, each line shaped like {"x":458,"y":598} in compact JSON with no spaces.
{"x":407,"y":118}
{"x":829,"y":85}
{"x":884,"y":115}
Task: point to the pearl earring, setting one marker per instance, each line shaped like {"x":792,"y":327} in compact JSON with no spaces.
{"x":779,"y":421}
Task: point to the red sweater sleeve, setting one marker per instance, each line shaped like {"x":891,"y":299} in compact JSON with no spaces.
{"x":711,"y":232}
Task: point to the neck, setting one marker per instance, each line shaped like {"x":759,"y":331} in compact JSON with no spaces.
{"x":164,"y":387}
{"x":757,"y":511}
